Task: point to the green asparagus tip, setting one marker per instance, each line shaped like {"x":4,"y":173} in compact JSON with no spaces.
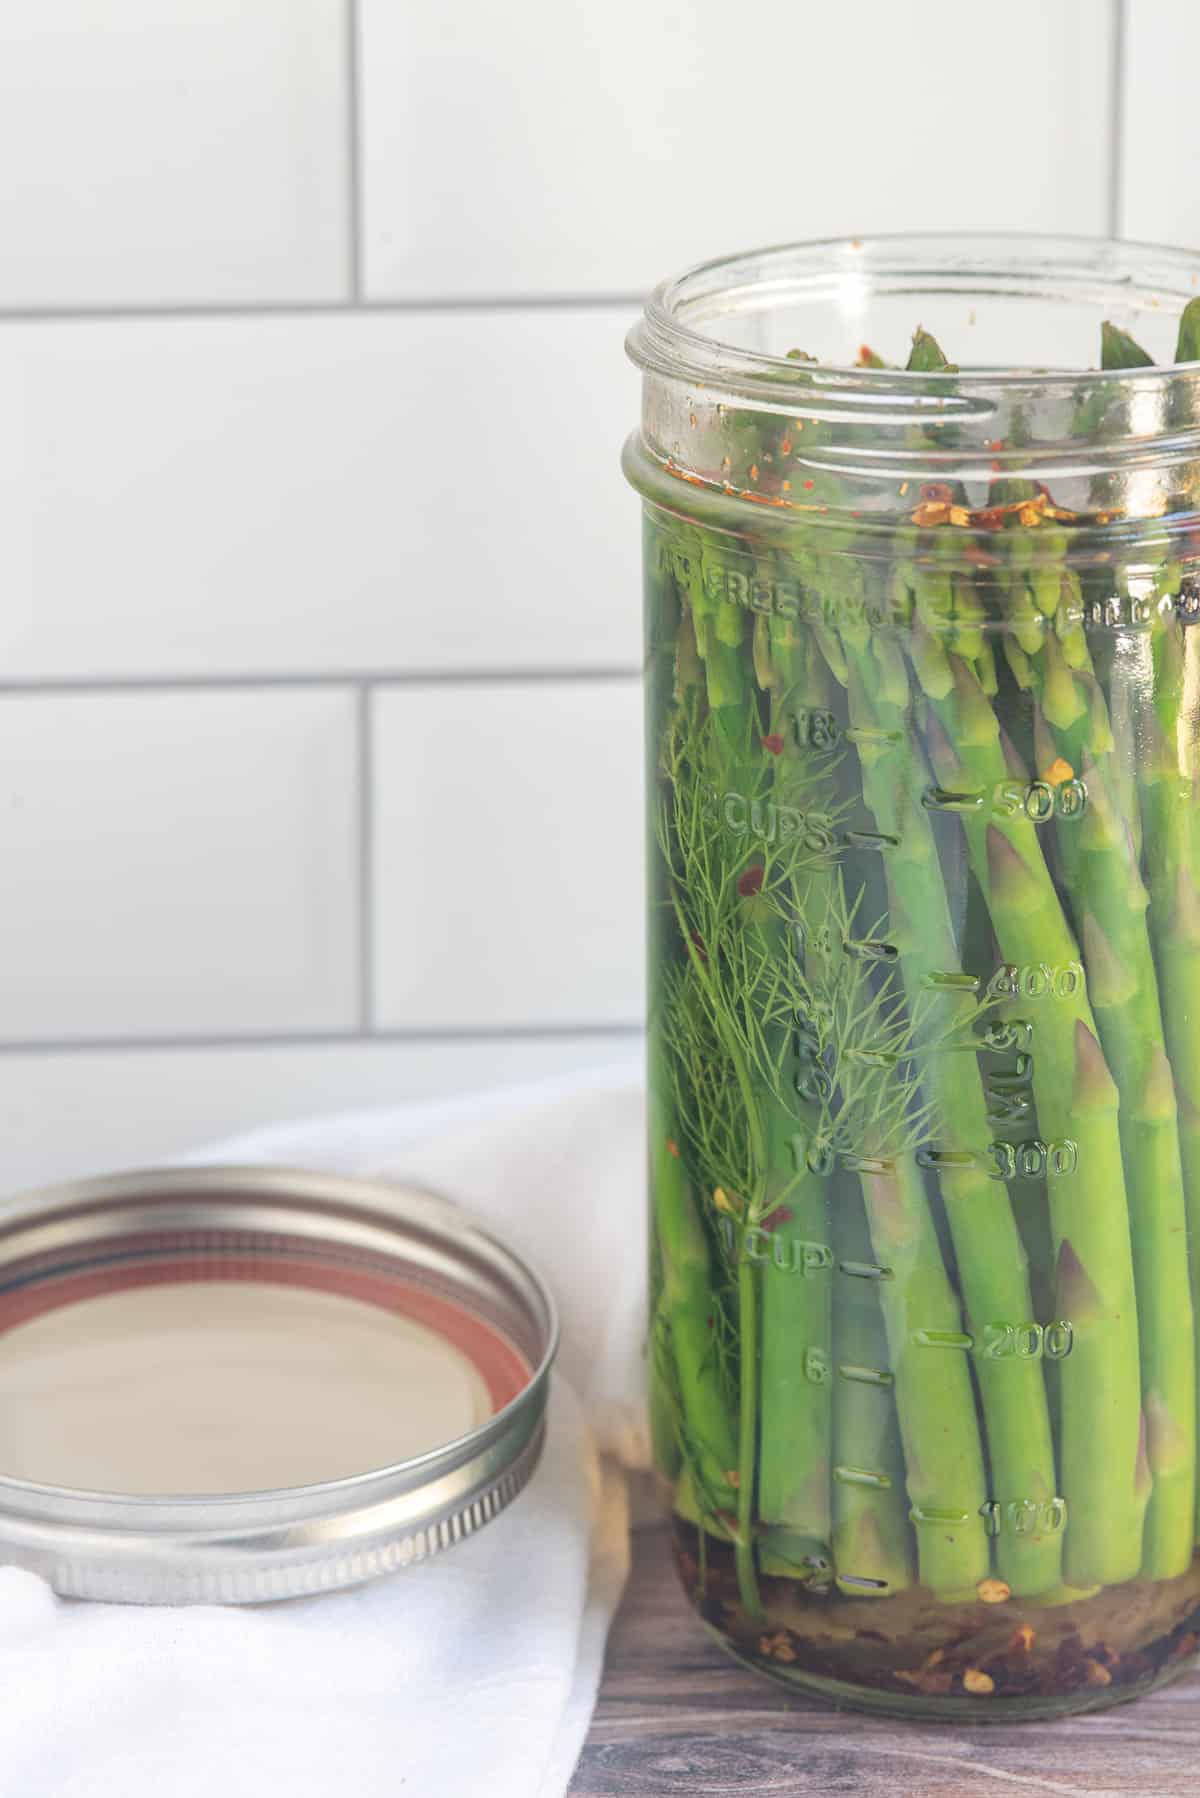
{"x":1013,"y":887}
{"x":1156,"y":1102}
{"x":1166,"y":1444}
{"x":1110,"y":981}
{"x":1045,"y":752}
{"x":1075,"y":1295}
{"x":1062,"y":702}
{"x":926,"y":356}
{"x":869,"y":358}
{"x":1012,"y":758}
{"x":1094,"y":1088}
{"x":1119,"y":350}
{"x":1185,"y":911}
{"x":800,"y":356}
{"x":1187,"y":349}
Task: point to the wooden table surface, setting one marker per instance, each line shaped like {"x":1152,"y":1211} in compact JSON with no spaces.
{"x":676,"y":1716}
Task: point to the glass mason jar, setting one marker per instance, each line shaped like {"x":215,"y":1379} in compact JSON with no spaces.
{"x":924,"y":688}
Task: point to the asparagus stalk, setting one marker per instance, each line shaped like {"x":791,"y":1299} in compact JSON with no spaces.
{"x":1173,"y":865}
{"x":872,"y":1536}
{"x":1104,"y":1478}
{"x":795,"y":1455}
{"x":991,"y":1258}
{"x":686,"y":1309}
{"x":1110,"y":901}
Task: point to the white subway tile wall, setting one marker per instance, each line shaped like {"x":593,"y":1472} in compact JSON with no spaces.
{"x":320,"y":745}
{"x":593,"y":149}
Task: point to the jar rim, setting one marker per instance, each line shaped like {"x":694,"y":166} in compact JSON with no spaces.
{"x":1113,"y":274}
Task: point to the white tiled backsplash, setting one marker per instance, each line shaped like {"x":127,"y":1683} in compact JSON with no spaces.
{"x":320,"y":749}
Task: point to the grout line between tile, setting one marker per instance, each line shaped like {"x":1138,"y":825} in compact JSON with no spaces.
{"x":349,"y":308}
{"x":1116,"y":120}
{"x":354,"y":194}
{"x":318,"y":1039}
{"x":37,"y":687}
{"x":366,"y":863}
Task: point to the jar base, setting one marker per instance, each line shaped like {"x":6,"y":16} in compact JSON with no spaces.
{"x":961,"y":1709}
{"x":915,"y":1655}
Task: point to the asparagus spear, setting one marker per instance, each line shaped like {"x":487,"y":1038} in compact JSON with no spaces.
{"x":991,"y":1259}
{"x":872,"y":1536}
{"x":1103,"y":1472}
{"x":1109,"y":901}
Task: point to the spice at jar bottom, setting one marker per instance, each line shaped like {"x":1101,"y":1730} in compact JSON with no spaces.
{"x":924,"y":703}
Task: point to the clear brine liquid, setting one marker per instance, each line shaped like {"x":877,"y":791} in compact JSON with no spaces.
{"x":925,"y":1112}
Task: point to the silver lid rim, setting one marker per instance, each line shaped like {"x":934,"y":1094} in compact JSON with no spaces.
{"x":247,"y":1547}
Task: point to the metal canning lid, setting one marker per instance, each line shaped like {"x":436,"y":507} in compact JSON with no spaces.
{"x":227,"y":1385}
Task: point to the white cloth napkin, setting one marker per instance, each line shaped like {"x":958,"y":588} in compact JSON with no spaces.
{"x":471,"y":1676}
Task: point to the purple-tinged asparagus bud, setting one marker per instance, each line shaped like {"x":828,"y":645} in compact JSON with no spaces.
{"x":942,"y":757}
{"x":1156,"y":1102}
{"x":976,"y":722}
{"x":1011,"y":885}
{"x":1167,"y":1445}
{"x":1109,"y":980}
{"x":1013,"y":759}
{"x":1185,"y":911}
{"x":1094,"y":1088}
{"x":1075,"y":1295}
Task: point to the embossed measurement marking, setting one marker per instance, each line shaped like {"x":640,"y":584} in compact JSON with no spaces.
{"x":947,"y":1161}
{"x":865,"y":1376}
{"x":937,"y":1515}
{"x":1005,"y":1342}
{"x":868,"y":1164}
{"x":1024,"y":1516}
{"x":942,"y":799}
{"x":870,"y":839}
{"x":1038,"y":800}
{"x":864,"y":1270}
{"x":942,"y":1339}
{"x":951,"y":982}
{"x":869,"y":949}
{"x":863,"y":1476}
{"x":862,"y":1584}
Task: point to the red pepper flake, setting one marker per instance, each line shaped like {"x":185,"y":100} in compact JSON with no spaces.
{"x":808,"y":486}
{"x":672,"y":1147}
{"x":937,"y":491}
{"x":785,"y":446}
{"x":754,"y":471}
{"x":781,"y":1215}
{"x":751,"y":882}
{"x":995,"y":467}
{"x":787,"y":486}
{"x":773,"y":744}
{"x":698,"y":945}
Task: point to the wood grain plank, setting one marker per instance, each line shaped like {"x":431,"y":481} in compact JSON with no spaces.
{"x":676,"y":1716}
